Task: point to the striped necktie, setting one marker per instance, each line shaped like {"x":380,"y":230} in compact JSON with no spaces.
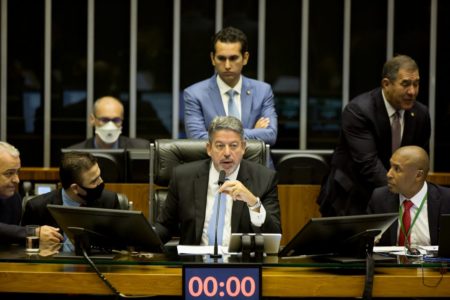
{"x":232,"y":107}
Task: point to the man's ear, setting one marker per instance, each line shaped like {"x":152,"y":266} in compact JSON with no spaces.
{"x":92,"y":120}
{"x":385,"y":82}
{"x":245,"y":58}
{"x":208,"y":149}
{"x":211,"y":55}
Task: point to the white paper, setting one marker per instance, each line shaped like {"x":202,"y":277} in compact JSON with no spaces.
{"x":198,"y":250}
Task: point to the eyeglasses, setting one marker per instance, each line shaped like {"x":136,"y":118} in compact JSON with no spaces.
{"x":105,"y":120}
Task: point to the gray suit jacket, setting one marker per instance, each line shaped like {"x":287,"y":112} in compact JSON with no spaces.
{"x":185,"y":206}
{"x":361,"y":158}
{"x":202,"y":102}
{"x":383,"y":201}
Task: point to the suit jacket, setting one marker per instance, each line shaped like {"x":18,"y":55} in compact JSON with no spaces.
{"x":124,"y":143}
{"x":383,"y":201}
{"x":203,"y":102}
{"x":185,"y":206}
{"x":10,"y":215}
{"x":361,"y":158}
{"x":36,"y":212}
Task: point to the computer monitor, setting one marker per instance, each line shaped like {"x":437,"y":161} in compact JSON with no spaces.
{"x":43,"y":188}
{"x":344,"y":235}
{"x":138,"y":166}
{"x":106,"y":229}
{"x":112,"y":163}
{"x":444,"y":233}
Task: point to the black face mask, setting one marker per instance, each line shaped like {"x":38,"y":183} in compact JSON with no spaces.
{"x":92,"y":193}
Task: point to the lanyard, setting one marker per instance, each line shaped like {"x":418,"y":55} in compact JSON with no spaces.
{"x":400,"y":216}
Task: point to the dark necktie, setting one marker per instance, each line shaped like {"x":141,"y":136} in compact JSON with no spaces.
{"x":232,"y":107}
{"x":406,"y":221}
{"x":396,"y":131}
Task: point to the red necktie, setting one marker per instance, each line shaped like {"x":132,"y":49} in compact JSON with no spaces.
{"x":406,"y":220}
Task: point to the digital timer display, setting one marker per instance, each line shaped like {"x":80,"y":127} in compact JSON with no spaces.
{"x":225,"y":281}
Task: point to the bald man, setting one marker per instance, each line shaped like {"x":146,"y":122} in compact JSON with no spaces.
{"x":11,"y":202}
{"x":107,"y":119}
{"x":407,"y":181}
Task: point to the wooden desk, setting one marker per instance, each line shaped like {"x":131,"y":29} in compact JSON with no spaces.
{"x":277,"y":281}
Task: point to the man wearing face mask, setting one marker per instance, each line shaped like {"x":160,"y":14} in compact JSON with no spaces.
{"x":81,"y":184}
{"x":107,"y":119}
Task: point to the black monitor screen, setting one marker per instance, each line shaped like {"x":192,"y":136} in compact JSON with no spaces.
{"x":336,"y":235}
{"x":112,"y":163}
{"x":108,"y":228}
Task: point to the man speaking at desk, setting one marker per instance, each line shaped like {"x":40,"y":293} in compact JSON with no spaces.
{"x":249,"y":197}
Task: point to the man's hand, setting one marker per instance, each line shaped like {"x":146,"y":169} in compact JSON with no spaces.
{"x":262,"y":122}
{"x":50,"y":234}
{"x":238,"y":191}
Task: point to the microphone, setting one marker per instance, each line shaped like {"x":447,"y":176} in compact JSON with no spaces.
{"x":221,"y":180}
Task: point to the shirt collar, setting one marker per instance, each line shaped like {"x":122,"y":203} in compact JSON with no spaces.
{"x":417,"y":198}
{"x":223,"y":87}
{"x":214,"y":175}
{"x":67,"y":201}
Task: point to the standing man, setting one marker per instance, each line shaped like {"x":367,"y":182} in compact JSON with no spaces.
{"x":418,"y":202}
{"x":107,"y":119}
{"x":11,"y":202}
{"x":230,"y":93}
{"x":250,"y":198}
{"x":82,"y":185}
{"x":374,"y":124}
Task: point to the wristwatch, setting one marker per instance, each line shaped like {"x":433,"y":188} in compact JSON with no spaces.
{"x":256,"y":205}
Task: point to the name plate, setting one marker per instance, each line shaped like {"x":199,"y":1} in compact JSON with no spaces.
{"x":222,"y":281}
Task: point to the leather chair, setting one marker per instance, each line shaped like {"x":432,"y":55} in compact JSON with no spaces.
{"x":301,"y":168}
{"x":165,"y":154}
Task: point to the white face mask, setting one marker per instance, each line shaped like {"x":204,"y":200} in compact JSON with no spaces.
{"x":108,"y":133}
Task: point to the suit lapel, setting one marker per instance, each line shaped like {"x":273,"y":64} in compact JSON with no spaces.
{"x":409,"y":127}
{"x":239,"y":206}
{"x":246,"y":102}
{"x":392,"y":204}
{"x":200,"y":194}
{"x":215,"y":97}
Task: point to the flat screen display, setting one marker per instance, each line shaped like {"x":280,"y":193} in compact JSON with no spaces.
{"x":110,"y":229}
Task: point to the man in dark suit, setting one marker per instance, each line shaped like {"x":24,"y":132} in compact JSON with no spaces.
{"x":250,"y":200}
{"x":107,"y":118}
{"x":253,"y":100}
{"x":11,"y":202}
{"x":361,"y":158}
{"x":82,"y":185}
{"x":407,"y":182}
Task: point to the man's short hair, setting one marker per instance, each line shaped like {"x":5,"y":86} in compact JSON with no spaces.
{"x":10,"y":149}
{"x":230,"y":35}
{"x":392,"y":66}
{"x":73,"y":164}
{"x":225,"y":123}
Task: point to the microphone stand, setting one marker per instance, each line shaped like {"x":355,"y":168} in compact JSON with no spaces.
{"x":216,"y":254}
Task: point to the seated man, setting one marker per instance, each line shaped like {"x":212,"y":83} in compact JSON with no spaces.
{"x":82,"y":185}
{"x":249,"y":201}
{"x":107,"y":118}
{"x":11,"y":202}
{"x":418,"y":202}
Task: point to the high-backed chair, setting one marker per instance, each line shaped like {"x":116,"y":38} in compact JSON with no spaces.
{"x":301,"y":168}
{"x":165,"y":154}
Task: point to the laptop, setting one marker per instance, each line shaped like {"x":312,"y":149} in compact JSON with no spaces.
{"x":444,"y":234}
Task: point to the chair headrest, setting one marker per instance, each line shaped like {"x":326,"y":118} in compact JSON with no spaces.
{"x":170,"y":153}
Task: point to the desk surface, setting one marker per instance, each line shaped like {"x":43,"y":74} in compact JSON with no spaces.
{"x":297,"y":277}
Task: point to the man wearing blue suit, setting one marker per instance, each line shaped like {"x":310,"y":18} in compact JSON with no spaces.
{"x":251,"y":101}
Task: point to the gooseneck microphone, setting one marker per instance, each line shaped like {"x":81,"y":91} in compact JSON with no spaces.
{"x":219,"y":182}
